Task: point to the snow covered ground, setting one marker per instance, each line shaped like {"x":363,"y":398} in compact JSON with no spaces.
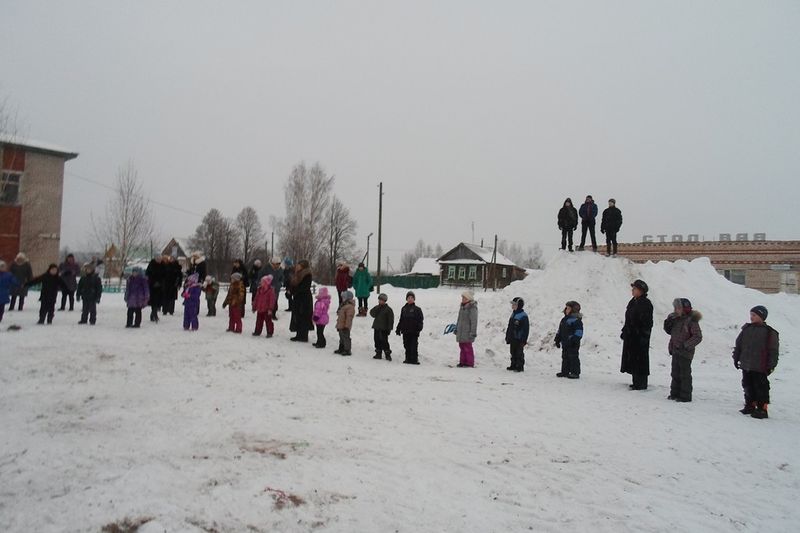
{"x":210,"y":431}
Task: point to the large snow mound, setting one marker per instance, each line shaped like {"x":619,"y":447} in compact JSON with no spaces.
{"x":211,"y":431}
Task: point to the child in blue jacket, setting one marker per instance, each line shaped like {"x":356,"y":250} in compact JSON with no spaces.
{"x":568,"y":338}
{"x":517,"y":335}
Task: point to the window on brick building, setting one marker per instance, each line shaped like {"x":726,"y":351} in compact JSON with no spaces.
{"x":9,"y":188}
{"x":736,"y":276}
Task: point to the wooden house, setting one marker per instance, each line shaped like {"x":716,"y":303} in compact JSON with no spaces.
{"x":469,"y":265}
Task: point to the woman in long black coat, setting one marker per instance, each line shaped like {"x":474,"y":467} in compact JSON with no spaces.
{"x":636,"y":336}
{"x":302,"y":302}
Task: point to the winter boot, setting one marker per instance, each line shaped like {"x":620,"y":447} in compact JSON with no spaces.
{"x":377,"y":356}
{"x":388,"y":357}
{"x":760,"y":412}
{"x":748,"y":408}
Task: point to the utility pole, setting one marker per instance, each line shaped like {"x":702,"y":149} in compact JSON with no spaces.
{"x":380,"y":232}
{"x":494,"y":265}
{"x":272,"y":248}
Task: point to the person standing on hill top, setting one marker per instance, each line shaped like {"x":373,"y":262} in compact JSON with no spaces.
{"x":588,"y":214}
{"x":610,"y":225}
{"x":683,"y":328}
{"x":756,"y":355}
{"x":636,"y":336}
{"x":567,"y":223}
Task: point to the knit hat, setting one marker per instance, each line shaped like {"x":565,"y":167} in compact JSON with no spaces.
{"x":468,"y":295}
{"x":257,"y":262}
{"x":236,"y":276}
{"x":382,"y":296}
{"x":347,"y":295}
{"x":266,"y":281}
{"x":192,"y":279}
{"x":323,"y":293}
{"x":612,"y":201}
{"x":761,"y":311}
{"x":519,"y":302}
{"x":275,"y":260}
{"x":682,"y":303}
{"x":575,"y":306}
{"x":411,"y":293}
{"x":641,"y":285}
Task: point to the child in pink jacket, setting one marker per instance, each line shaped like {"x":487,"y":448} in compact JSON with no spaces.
{"x":263,"y":306}
{"x":320,"y":316}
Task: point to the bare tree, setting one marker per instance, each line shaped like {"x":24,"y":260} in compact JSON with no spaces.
{"x":250,"y":232}
{"x":307,"y":194}
{"x":216,"y":237}
{"x":341,"y":235}
{"x":421,"y":249}
{"x":127,"y":222}
{"x":525,"y":257}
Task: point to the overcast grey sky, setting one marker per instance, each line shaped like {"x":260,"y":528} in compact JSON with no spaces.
{"x":687,"y":112}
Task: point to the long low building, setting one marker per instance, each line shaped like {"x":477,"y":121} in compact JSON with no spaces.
{"x":768,"y":266}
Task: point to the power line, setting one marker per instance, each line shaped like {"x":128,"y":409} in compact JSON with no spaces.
{"x":112,"y":188}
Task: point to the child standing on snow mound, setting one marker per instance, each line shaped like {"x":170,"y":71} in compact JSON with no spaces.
{"x":90,"y":289}
{"x":568,"y":338}
{"x":409,"y":326}
{"x":191,"y":303}
{"x":467,"y":329}
{"x":756,"y":354}
{"x":137,"y":294}
{"x":517,"y":335}
{"x":320,"y":316}
{"x":233,"y":301}
{"x":264,"y":301}
{"x":344,"y":322}
{"x":382,"y":326}
{"x":683,"y":328}
{"x":211,"y":289}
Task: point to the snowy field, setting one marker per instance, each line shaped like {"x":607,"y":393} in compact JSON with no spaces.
{"x":216,"y":432}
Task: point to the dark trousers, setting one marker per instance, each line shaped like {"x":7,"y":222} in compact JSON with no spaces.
{"x":362,"y":302}
{"x":47,"y":311}
{"x":570,"y":362}
{"x":566,"y":235}
{"x":517,"y":355}
{"x":263,"y":319}
{"x":71,"y":296}
{"x":169,"y":306}
{"x":320,"y":336}
{"x":134,"y":317}
{"x":611,"y":242}
{"x":89,"y":311}
{"x":14,"y":300}
{"x":154,"y":312}
{"x":382,"y":342}
{"x":2,"y":311}
{"x":345,"y":343}
{"x":212,"y":307}
{"x":681,"y":386}
{"x":639,"y":381}
{"x":289,"y":300}
{"x":756,"y":387}
{"x":590,"y":227}
{"x":411,"y":346}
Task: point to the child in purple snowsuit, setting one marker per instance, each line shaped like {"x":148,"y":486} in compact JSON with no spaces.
{"x":137,"y":294}
{"x":191,"y":303}
{"x":320,"y":316}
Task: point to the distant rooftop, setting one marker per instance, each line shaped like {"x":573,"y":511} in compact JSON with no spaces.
{"x":38,"y":146}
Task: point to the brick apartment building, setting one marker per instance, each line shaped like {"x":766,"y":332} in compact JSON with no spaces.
{"x":768,"y":266}
{"x":31,"y":192}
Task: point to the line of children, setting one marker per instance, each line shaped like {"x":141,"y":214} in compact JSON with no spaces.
{"x":191,"y":303}
{"x":89,"y":292}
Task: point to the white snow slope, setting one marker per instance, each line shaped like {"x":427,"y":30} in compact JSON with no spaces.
{"x":194,"y":432}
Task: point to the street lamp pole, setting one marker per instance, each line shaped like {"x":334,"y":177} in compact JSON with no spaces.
{"x":367,"y":254}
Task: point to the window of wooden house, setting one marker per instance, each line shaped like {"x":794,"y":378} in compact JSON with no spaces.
{"x":451,"y":272}
{"x":505,"y":272}
{"x":473,"y":272}
{"x":462,"y":272}
{"x":9,"y":188}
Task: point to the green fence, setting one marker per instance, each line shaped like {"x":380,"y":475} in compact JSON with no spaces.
{"x":411,"y":282}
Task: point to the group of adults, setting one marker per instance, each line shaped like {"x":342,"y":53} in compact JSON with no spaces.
{"x":164,"y":279}
{"x":610,"y":224}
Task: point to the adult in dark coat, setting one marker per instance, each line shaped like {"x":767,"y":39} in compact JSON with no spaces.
{"x":238,"y":267}
{"x":173,"y":279}
{"x":302,"y":302}
{"x":567,"y":223}
{"x":636,"y":336}
{"x":409,"y":326}
{"x":197,"y":266}
{"x":20,"y":269}
{"x":69,"y":271}
{"x":588,"y":214}
{"x":156,"y":277}
{"x":254,"y":275}
{"x":610,"y":225}
{"x":51,"y":284}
